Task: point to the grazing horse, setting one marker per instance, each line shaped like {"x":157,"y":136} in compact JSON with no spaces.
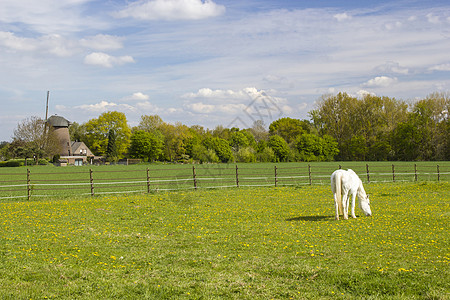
{"x":345,"y":183}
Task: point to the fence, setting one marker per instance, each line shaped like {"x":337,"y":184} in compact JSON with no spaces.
{"x":142,"y":179}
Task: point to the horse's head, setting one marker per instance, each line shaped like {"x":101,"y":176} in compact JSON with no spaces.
{"x":365,"y":206}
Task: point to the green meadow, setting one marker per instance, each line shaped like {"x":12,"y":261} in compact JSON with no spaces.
{"x":62,"y":182}
{"x":235,"y":243}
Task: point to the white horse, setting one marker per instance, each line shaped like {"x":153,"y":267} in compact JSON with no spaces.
{"x":345,"y":183}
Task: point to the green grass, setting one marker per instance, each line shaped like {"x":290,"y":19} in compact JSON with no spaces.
{"x":242,"y":243}
{"x":74,"y":181}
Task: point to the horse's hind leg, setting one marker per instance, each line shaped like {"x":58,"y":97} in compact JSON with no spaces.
{"x":336,"y":206}
{"x":345,"y":205}
{"x":353,"y":206}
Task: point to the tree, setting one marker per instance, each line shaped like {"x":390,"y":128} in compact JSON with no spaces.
{"x":314,"y":148}
{"x":5,"y":151}
{"x":424,"y":135}
{"x":201,"y":154}
{"x":430,"y":117}
{"x":406,"y":141}
{"x":334,"y":116}
{"x":245,"y":155}
{"x":259,"y":131}
{"x":310,"y":147}
{"x":150,"y":123}
{"x":111,"y":150}
{"x":176,"y":138}
{"x":223,"y":149}
{"x":145,"y":145}
{"x":238,"y":140}
{"x":357,"y":148}
{"x":77,"y":132}
{"x":330,"y":147}
{"x":31,"y":139}
{"x":288,"y":128}
{"x":279,"y":147}
{"x":360,"y":126}
{"x":97,"y":131}
{"x":266,"y":154}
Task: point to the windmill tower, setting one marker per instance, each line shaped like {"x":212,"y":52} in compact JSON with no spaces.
{"x":61,"y":127}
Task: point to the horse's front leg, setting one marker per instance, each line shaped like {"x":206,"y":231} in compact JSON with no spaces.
{"x":345,"y":205}
{"x":353,"y":206}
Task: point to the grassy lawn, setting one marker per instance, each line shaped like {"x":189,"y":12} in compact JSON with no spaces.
{"x":60,"y":182}
{"x":241,"y":243}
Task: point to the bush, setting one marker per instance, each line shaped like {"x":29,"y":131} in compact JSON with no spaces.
{"x":266,"y":155}
{"x":246,"y":155}
{"x":43,"y":162}
{"x":13,"y":163}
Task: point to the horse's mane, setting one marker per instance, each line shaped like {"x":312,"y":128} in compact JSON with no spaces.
{"x":361,"y":192}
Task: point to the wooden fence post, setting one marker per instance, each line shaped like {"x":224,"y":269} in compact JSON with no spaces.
{"x":276,"y":177}
{"x":194,"y":176}
{"x":309,"y":174}
{"x":393,"y":173}
{"x":28,"y":184}
{"x":415,"y":172}
{"x":91,"y":180}
{"x":367,"y":171}
{"x":237,"y":176}
{"x":148,"y":180}
{"x":438,"y":174}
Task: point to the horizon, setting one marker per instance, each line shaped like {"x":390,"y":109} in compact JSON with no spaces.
{"x":212,"y":63}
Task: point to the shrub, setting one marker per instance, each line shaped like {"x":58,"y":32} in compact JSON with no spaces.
{"x":14,"y":163}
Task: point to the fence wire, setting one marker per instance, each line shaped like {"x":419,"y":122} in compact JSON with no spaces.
{"x":146,"y":180}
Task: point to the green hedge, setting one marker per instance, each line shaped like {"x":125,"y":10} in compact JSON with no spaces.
{"x":21,"y":162}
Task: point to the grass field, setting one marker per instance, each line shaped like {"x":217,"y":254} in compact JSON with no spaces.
{"x":45,"y":181}
{"x":246,"y":243}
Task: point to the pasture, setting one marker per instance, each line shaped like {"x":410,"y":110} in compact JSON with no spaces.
{"x":49,"y":181}
{"x":240,"y":243}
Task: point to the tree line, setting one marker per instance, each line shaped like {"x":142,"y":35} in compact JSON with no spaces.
{"x":341,"y":127}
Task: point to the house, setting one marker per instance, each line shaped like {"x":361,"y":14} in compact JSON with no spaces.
{"x":79,"y":148}
{"x":72,"y":153}
{"x":80,"y":155}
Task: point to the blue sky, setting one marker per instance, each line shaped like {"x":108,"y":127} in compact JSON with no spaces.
{"x":216,"y":62}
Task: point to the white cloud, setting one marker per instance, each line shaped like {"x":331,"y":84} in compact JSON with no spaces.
{"x":171,"y":10}
{"x":52,"y":44}
{"x":98,"y":107}
{"x":392,"y":67}
{"x":146,"y":106}
{"x":248,"y":104}
{"x":363,"y":93}
{"x":442,"y":67}
{"x":342,"y":17}
{"x":48,"y":16}
{"x":391,"y":26}
{"x":11,"y":41}
{"x":433,"y":19}
{"x":138,"y":96}
{"x":102,"y":42}
{"x":103,"y":106}
{"x":105,"y":60}
{"x":217,"y":94}
{"x":380,"y":81}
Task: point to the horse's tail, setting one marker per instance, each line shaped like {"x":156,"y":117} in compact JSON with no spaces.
{"x":338,"y":186}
